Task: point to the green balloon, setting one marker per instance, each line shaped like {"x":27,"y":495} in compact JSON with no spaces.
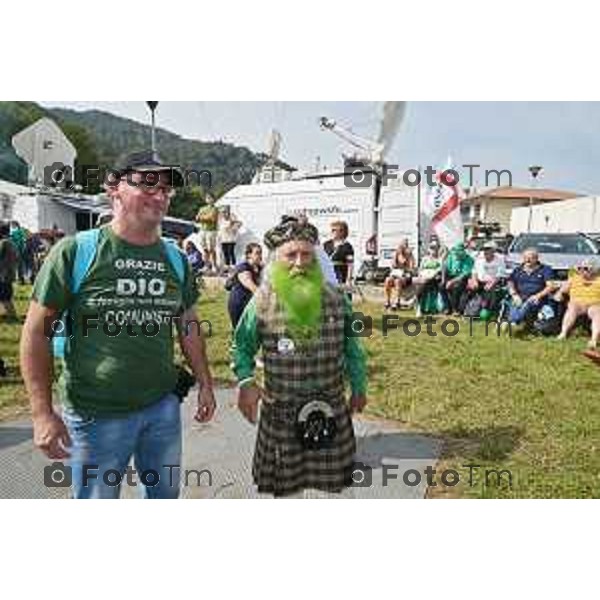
{"x":485,"y":314}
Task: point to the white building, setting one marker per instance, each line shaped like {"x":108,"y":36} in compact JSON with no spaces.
{"x":8,"y":192}
{"x":568,"y":216}
{"x":488,"y":206}
{"x":37,"y":209}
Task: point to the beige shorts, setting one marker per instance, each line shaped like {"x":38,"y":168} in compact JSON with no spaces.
{"x":208,"y":240}
{"x":398,"y":273}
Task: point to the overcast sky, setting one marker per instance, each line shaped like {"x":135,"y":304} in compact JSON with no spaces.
{"x":563,"y":137}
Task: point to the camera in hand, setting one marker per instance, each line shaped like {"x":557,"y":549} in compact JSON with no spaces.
{"x":185,"y":382}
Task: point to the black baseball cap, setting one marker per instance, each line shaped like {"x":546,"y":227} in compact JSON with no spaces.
{"x":148,"y":161}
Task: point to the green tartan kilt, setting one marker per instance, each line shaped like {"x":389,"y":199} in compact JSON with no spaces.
{"x":281,"y":466}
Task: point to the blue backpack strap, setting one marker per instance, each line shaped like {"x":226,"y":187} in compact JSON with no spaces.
{"x":176,"y":258}
{"x":85,"y":252}
{"x":87,"y":244}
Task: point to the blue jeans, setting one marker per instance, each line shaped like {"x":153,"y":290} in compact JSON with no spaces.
{"x":103,"y":447}
{"x":526,"y":312}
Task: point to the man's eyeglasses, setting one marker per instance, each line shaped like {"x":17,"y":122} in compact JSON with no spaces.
{"x":151,"y":188}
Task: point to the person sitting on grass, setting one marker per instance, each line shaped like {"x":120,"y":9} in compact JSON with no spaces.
{"x":455,"y":276}
{"x":427,"y":282}
{"x":403,"y":266}
{"x":529,"y":286}
{"x":583,"y":288}
{"x":194,"y":257}
{"x":489,"y":273}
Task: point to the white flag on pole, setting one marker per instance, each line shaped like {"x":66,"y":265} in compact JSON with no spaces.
{"x":442,"y":207}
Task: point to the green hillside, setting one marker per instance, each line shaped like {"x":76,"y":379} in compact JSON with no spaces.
{"x":102,"y":138}
{"x":113,"y":136}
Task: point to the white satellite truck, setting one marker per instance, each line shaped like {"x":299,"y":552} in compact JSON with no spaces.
{"x":378,"y":216}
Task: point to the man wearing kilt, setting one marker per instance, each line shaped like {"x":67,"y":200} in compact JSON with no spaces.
{"x":305,"y":436}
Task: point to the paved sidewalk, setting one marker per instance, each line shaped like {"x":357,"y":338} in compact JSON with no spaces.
{"x":224,"y":447}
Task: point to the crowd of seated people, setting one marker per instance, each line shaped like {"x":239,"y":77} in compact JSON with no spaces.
{"x":461,"y":282}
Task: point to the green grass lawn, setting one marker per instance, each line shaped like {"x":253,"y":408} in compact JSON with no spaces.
{"x":13,"y":400}
{"x":528,"y":405}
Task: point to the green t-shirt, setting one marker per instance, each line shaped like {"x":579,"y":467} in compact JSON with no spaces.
{"x":208,"y":216}
{"x":459,"y":265}
{"x":131,"y":286}
{"x":19,"y":239}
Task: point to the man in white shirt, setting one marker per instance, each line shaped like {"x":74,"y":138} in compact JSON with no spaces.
{"x":489,"y":268}
{"x":487,"y":276}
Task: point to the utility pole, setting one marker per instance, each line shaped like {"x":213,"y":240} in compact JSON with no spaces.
{"x":152,"y":106}
{"x":534,"y":170}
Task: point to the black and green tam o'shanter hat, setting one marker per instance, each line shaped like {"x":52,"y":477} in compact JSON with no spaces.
{"x":290,"y":229}
{"x":148,"y":161}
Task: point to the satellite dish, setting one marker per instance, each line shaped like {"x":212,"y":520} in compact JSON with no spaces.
{"x":43,"y":145}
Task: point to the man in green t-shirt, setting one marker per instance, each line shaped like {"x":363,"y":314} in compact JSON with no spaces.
{"x":117,"y":383}
{"x":456,"y":271}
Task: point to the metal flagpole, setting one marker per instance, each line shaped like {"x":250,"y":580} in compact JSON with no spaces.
{"x":419,"y":217}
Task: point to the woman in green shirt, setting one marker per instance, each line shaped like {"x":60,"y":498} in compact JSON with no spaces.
{"x":428,"y":280}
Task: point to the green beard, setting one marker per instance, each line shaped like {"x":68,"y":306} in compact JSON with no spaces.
{"x":300,"y":295}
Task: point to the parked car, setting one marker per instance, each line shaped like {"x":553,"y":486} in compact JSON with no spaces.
{"x":561,"y":251}
{"x":502,"y":242}
{"x":370,"y":272}
{"x":595,"y":237}
{"x":178,"y":228}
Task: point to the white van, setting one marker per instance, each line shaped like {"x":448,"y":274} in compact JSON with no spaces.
{"x":377,"y":217}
